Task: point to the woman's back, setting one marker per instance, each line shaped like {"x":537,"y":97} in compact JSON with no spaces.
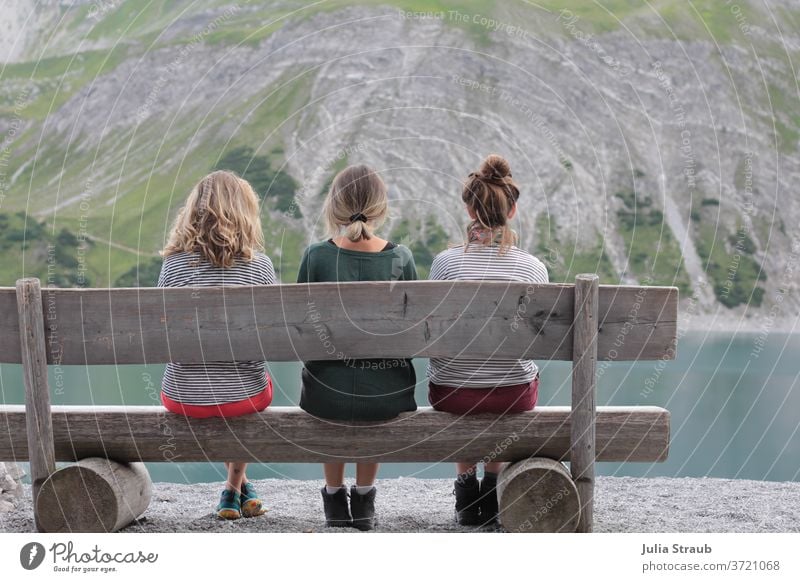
{"x":481,"y":262}
{"x":208,"y":383}
{"x":345,"y":388}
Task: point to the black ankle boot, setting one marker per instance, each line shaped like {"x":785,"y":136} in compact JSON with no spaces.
{"x":467,"y":492}
{"x":337,"y":511}
{"x":488,"y":500}
{"x":363,"y":509}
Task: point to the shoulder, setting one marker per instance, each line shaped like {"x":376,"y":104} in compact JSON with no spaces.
{"x":450,"y":254}
{"x":537,"y":268}
{"x":178,"y":260}
{"x":262,"y":261}
{"x":403,"y":251}
{"x":317,"y":247}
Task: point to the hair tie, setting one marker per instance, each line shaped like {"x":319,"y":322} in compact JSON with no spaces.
{"x":358,"y":218}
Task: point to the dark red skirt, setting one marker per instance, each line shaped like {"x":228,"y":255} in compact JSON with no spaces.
{"x":499,"y":400}
{"x":250,"y":405}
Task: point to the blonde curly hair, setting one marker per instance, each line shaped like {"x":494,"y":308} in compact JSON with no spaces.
{"x":220,"y":221}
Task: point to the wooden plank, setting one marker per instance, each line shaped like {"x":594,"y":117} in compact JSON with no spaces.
{"x":584,"y":378}
{"x":288,"y":434}
{"x":354,"y":320}
{"x":38,"y":425}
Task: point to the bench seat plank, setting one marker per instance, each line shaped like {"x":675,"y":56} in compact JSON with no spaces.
{"x":287,"y":434}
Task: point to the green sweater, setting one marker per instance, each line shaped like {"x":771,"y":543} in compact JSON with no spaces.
{"x":374,"y":389}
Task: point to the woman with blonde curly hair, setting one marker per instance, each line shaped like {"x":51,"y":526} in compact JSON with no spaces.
{"x":217,"y":240}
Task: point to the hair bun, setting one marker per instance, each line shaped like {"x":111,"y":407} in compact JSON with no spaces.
{"x":495,"y":166}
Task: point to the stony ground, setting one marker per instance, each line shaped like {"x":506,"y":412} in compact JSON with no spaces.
{"x":425,"y":505}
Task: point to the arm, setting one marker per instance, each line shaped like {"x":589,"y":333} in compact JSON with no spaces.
{"x":162,"y":275}
{"x":302,"y":273}
{"x":410,"y":268}
{"x":438,"y":270}
{"x":267,"y":274}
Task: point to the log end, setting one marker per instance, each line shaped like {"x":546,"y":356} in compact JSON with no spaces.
{"x":538,"y":495}
{"x":93,"y":495}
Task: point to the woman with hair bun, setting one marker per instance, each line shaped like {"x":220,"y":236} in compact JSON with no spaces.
{"x":467,"y":386}
{"x":347,"y":389}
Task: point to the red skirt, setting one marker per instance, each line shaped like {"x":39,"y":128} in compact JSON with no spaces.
{"x":499,"y":400}
{"x":250,"y":405}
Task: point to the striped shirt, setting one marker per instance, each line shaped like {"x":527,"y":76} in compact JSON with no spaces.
{"x":480,"y":262}
{"x":208,"y":383}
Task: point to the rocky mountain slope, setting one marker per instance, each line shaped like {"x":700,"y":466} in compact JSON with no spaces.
{"x":654,"y":142}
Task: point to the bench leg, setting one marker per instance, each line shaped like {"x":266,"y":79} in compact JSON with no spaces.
{"x":39,"y":423}
{"x":584,"y":378}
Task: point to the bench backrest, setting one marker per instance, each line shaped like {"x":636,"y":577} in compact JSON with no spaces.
{"x":348,"y":320}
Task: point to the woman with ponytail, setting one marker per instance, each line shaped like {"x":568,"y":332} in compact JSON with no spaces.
{"x":466,"y":386}
{"x":347,"y":389}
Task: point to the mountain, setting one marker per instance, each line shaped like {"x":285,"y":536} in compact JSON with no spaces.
{"x":654,"y":142}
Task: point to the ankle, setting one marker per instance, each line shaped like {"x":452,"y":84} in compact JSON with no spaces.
{"x":364,"y":489}
{"x":333,"y":489}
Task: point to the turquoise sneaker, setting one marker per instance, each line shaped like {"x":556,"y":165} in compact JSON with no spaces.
{"x":251,"y":504}
{"x":230,"y":505}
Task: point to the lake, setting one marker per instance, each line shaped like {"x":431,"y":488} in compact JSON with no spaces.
{"x":734,"y":399}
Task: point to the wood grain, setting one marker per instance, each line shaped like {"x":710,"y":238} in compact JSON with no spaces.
{"x":38,"y":425}
{"x":94,"y":495}
{"x":358,"y":320}
{"x":584,"y":379}
{"x":538,"y":496}
{"x":288,"y":434}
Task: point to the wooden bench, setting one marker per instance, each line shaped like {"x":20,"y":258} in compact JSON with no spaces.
{"x":583,"y":322}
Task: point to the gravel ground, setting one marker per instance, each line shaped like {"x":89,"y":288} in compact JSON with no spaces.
{"x":623,"y":504}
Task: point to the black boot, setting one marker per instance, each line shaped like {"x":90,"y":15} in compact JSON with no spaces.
{"x":467,"y":492}
{"x":363,"y":509}
{"x":488,"y":502}
{"x":337,"y":512}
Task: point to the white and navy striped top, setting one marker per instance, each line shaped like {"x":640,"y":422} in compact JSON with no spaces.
{"x":479,"y":262}
{"x":208,"y":383}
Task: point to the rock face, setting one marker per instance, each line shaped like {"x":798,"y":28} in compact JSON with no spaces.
{"x":695,"y":134}
{"x":10,"y":485}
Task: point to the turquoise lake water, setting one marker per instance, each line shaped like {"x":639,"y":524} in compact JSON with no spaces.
{"x":735,"y":406}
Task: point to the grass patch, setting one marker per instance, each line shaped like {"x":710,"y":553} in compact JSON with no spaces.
{"x":653,"y":253}
{"x":564,"y":259}
{"x":730,"y":265}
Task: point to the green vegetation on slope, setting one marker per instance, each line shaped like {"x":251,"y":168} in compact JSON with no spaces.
{"x":564,"y":260}
{"x":653,"y":253}
{"x":268,"y":183}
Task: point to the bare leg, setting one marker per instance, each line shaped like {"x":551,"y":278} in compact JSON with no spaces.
{"x":244,"y":476}
{"x":466,"y":468}
{"x":494,"y":467}
{"x":334,"y":474}
{"x":366,"y":473}
{"x":235,"y":475}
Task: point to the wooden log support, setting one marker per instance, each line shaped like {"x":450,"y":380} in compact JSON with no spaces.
{"x":39,"y":424}
{"x":584,"y":377}
{"x":94,"y":495}
{"x":538,"y":495}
